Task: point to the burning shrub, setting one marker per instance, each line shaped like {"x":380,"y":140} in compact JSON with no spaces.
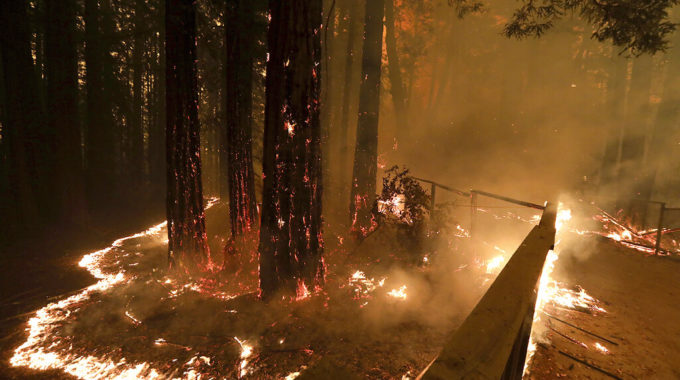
{"x":403,"y":204}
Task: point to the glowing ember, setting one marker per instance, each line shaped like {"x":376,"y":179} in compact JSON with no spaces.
{"x":461,"y":232}
{"x":601,"y":348}
{"x":294,"y":375}
{"x":398,"y":293}
{"x":246,"y":352}
{"x":363,"y":286}
{"x":301,"y":292}
{"x":495,"y":265}
{"x":625,"y":235}
{"x":394,"y":205}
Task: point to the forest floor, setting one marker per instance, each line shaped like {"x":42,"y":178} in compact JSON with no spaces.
{"x":42,"y":267}
{"x":381,"y":316}
{"x":641,"y":295}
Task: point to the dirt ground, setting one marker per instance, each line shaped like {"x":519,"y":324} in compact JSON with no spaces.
{"x":641,"y":294}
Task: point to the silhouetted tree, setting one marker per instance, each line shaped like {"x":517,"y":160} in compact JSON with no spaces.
{"x":136,"y":134}
{"x":100,"y":131}
{"x":396,"y":82}
{"x":290,"y":231}
{"x":187,"y":241}
{"x":363,"y":191}
{"x":237,"y":141}
{"x":61,"y":71}
{"x":350,"y":85}
{"x":637,"y":27}
{"x":23,"y":140}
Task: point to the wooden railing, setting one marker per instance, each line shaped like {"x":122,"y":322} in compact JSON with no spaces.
{"x":492,"y":341}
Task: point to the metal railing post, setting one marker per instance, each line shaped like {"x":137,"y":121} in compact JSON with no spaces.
{"x":473,"y":214}
{"x":659,"y":231}
{"x":433,"y":190}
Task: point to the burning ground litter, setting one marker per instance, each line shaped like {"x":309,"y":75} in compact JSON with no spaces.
{"x":137,"y":322}
{"x":381,"y":315}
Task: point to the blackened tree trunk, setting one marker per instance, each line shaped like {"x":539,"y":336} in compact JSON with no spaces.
{"x":350,"y":86}
{"x":157,"y":169}
{"x":187,"y":241}
{"x":136,"y":125}
{"x":290,"y":231}
{"x":366,"y":149}
{"x":237,"y":141}
{"x":100,"y":130}
{"x":62,"y":108}
{"x":396,"y":81}
{"x":22,"y":123}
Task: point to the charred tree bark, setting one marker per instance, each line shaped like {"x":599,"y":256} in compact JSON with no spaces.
{"x":62,"y":108}
{"x":23,"y":121}
{"x":366,"y":150}
{"x":290,"y":232}
{"x":156,"y":157}
{"x":348,"y":91}
{"x":100,"y":130}
{"x":187,"y":241}
{"x":237,"y":141}
{"x":396,"y":81}
{"x":136,"y":125}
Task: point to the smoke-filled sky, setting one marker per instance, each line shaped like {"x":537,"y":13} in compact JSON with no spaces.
{"x":528,"y":118}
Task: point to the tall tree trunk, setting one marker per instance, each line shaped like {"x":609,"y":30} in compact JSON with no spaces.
{"x":157,"y":139}
{"x":396,"y":82}
{"x":366,"y":150}
{"x":638,"y":111}
{"x":290,"y":232}
{"x":62,"y":108}
{"x":350,"y":85}
{"x":22,"y":123}
{"x":136,"y":125}
{"x":100,"y":131}
{"x":187,"y":241}
{"x":664,"y":128}
{"x":616,"y":93}
{"x":239,"y":109}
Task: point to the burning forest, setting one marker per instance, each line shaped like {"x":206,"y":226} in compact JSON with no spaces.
{"x":339,"y":189}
